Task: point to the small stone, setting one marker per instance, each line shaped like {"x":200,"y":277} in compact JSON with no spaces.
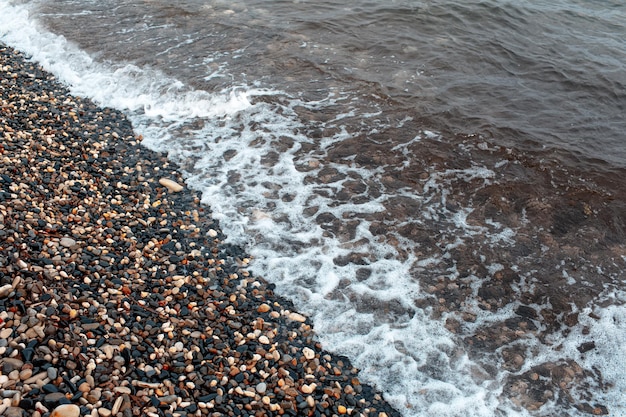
{"x":169,"y":399}
{"x":13,"y":412}
{"x":6,"y":333}
{"x":117,"y":405}
{"x":15,"y":400}
{"x":263,"y":308}
{"x":171,"y":185}
{"x":108,"y":350}
{"x":341,"y":409}
{"x":67,"y":242}
{"x":122,"y":390}
{"x":104,"y":412}
{"x":52,"y":372}
{"x":66,"y":410}
{"x":8,"y":393}
{"x":25,"y":374}
{"x":48,"y":388}
{"x":297,"y":317}
{"x":308,"y":389}
{"x":261,"y":388}
{"x":5,"y":290}
{"x":150,"y":371}
{"x":94,"y":396}
{"x":36,"y":378}
{"x":53,"y":398}
{"x":264,"y":340}
{"x":308,"y":353}
{"x":28,"y":354}
{"x":143,"y":384}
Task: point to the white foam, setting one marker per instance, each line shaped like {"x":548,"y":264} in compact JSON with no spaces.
{"x":125,"y":86}
{"x":372,"y":318}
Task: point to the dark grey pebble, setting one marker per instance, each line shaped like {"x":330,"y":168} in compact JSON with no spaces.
{"x":54,"y":398}
{"x":49,"y":388}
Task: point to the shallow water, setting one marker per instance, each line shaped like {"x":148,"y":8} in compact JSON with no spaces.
{"x":438,"y":184}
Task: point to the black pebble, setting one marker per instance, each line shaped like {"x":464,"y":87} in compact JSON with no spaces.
{"x":28,"y":354}
{"x":48,"y":388}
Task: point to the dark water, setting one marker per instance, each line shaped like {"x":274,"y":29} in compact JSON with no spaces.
{"x":439,"y":184}
{"x":530,"y":74}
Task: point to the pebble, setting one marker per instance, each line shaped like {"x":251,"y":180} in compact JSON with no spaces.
{"x":52,"y":372}
{"x":54,"y":398}
{"x":15,"y":399}
{"x":122,"y":390}
{"x":297,"y":317}
{"x":117,"y":405}
{"x":66,"y":410}
{"x":11,"y":364}
{"x":308,"y":388}
{"x":308,"y":353}
{"x":13,"y":412}
{"x":26,"y":374}
{"x":67,"y":242}
{"x":5,"y":290}
{"x":104,"y":412}
{"x":171,"y":185}
{"x":84,"y":387}
{"x":261,"y":387}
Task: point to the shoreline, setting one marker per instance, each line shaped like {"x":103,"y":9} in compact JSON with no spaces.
{"x":117,"y":295}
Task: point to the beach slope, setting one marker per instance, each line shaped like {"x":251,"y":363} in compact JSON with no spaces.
{"x":117,"y":293}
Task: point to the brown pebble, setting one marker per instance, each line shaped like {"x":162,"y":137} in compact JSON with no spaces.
{"x":263,"y":308}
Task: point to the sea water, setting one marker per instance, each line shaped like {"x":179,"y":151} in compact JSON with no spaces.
{"x":437,"y":184}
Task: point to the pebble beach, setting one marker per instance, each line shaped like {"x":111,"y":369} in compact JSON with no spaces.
{"x":118,"y":295}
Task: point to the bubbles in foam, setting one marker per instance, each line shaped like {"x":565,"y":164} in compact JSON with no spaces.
{"x":125,"y":86}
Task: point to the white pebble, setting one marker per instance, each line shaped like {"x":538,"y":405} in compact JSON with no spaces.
{"x":66,"y":410}
{"x":308,"y":353}
{"x":67,"y":242}
{"x":5,"y":290}
{"x":297,"y":317}
{"x":171,"y":185}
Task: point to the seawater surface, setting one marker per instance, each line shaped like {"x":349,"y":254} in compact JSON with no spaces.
{"x":438,"y":184}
